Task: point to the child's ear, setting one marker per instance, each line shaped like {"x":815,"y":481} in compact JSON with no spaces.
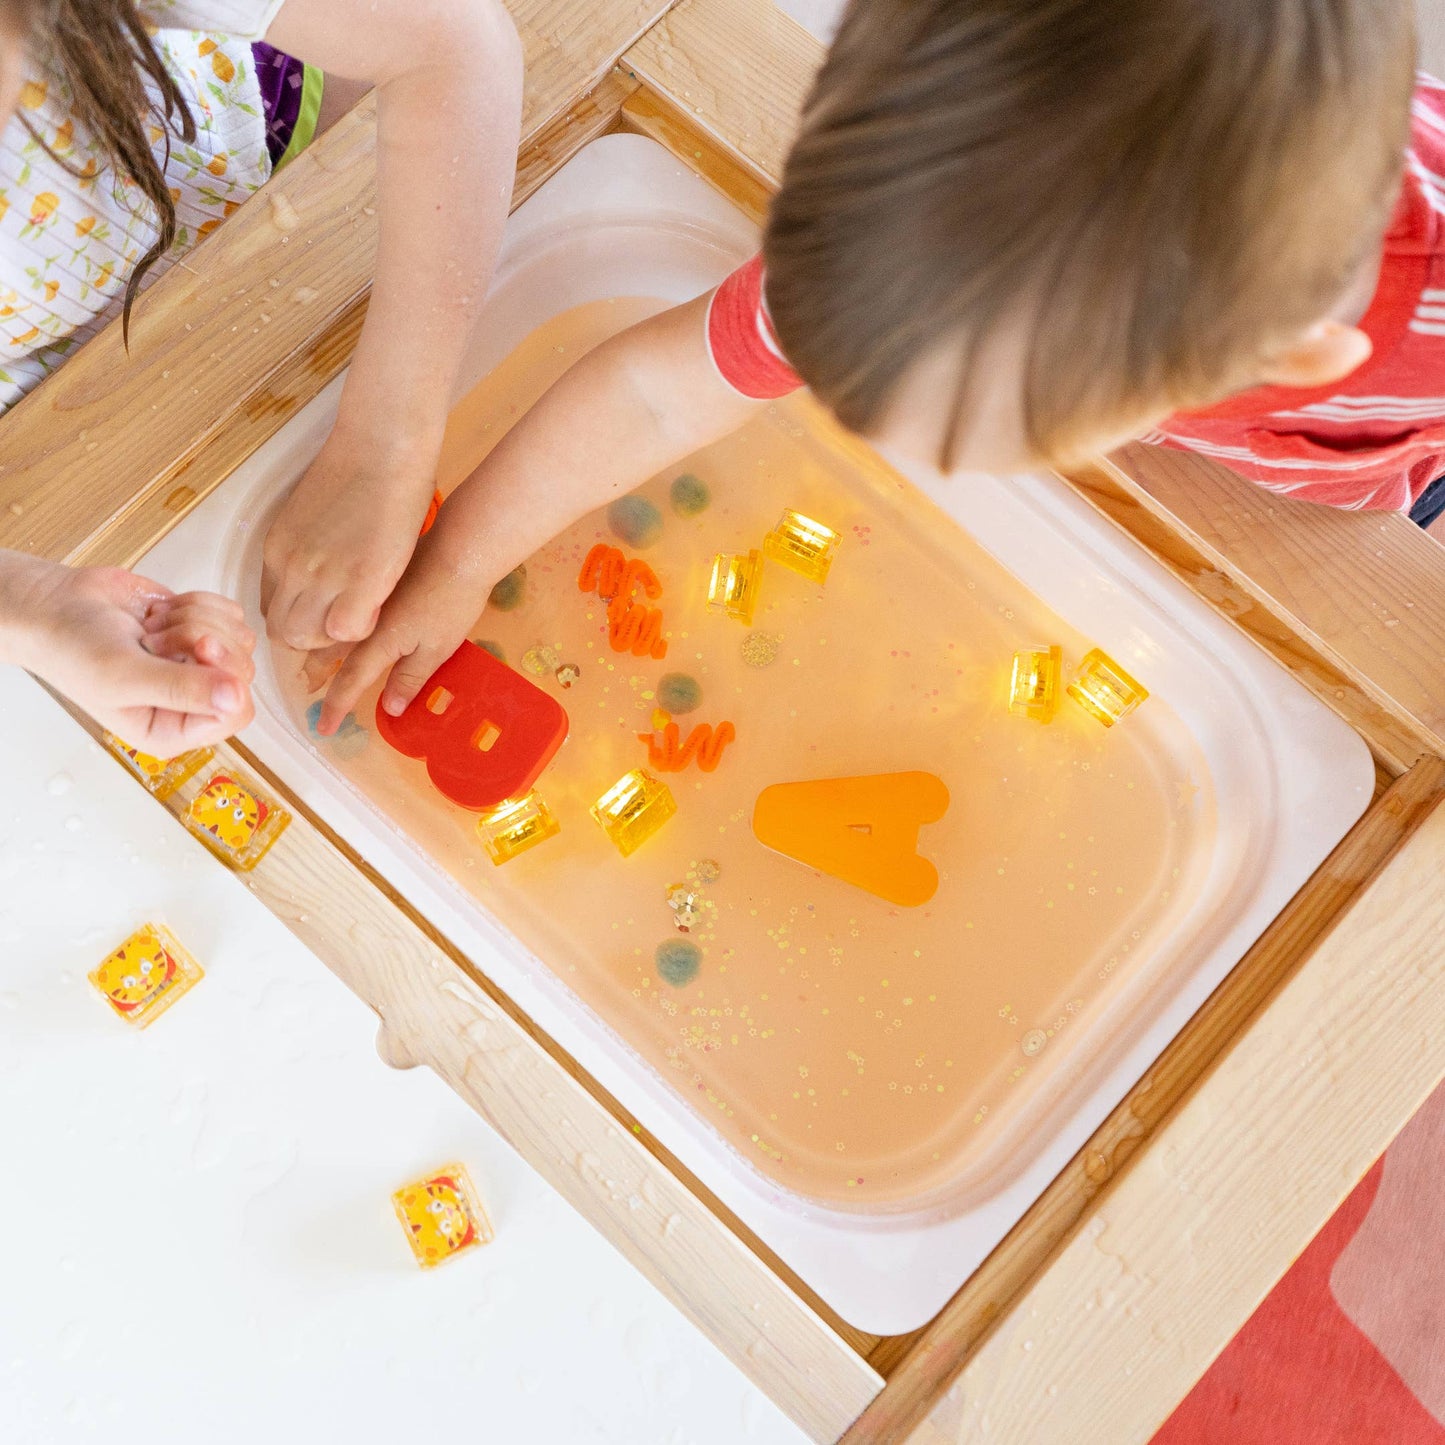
{"x":1329,"y":351}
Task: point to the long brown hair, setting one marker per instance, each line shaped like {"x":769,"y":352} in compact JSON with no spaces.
{"x":103,"y":52}
{"x":1158,"y":191}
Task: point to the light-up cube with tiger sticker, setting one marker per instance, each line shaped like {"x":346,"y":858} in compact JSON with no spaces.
{"x":442,"y":1216}
{"x":236,"y":819}
{"x":145,"y":975}
{"x":161,"y":776}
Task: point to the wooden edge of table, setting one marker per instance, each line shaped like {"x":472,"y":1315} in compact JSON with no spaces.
{"x":1316,"y":944}
{"x":738,"y":69}
{"x":645,"y":112}
{"x":1257,"y":613}
{"x":568,"y":46}
{"x":251,"y":323}
{"x":92,"y":443}
{"x":437,"y":1009}
{"x":1363,"y":591}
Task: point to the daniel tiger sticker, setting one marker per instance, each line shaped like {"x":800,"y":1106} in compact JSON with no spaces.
{"x":235,"y":819}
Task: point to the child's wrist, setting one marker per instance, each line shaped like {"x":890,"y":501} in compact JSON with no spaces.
{"x":459,"y":550}
{"x":22,"y":588}
{"x":406,"y":446}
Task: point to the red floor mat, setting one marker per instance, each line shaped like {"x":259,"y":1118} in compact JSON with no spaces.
{"x":1349,"y":1349}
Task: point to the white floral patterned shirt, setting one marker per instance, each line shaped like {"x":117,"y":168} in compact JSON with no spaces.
{"x":68,"y":241}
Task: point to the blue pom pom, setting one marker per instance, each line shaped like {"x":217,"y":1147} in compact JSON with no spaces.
{"x":678,"y":961}
{"x":689,"y":495}
{"x":635,"y":521}
{"x":678,"y":692}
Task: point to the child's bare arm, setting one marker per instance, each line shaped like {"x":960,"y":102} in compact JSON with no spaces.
{"x":633,"y":406}
{"x":448,"y":78}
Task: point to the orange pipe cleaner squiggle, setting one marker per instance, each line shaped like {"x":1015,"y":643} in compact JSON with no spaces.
{"x":631,"y":626}
{"x":634,"y":628}
{"x":704,"y":742}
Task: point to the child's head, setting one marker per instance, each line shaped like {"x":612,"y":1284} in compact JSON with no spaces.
{"x":101,"y":52}
{"x":1019,"y":229}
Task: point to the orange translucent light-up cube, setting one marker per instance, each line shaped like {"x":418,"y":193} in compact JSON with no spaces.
{"x":145,"y":975}
{"x":516,"y":825}
{"x":442,"y":1216}
{"x":236,"y":819}
{"x":733,"y":587}
{"x":161,"y":776}
{"x":633,"y":809}
{"x":1034,"y":687}
{"x":802,"y":544}
{"x":1104,"y":690}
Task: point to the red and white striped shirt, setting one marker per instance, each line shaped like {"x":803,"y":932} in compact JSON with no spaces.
{"x":1377,"y":439}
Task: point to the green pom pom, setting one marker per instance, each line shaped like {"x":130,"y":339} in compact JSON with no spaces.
{"x":635,"y":521}
{"x":495,"y":648}
{"x":678,"y":961}
{"x":678,"y":692}
{"x":509,"y":593}
{"x":690,"y":495}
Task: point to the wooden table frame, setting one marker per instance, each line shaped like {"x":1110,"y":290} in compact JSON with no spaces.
{"x":1111,"y":1296}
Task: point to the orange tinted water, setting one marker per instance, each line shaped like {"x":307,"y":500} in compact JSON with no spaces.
{"x":853,"y":1051}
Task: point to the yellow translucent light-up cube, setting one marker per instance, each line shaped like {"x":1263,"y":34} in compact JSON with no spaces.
{"x":1104,"y":690}
{"x":516,"y":825}
{"x":733,"y":587}
{"x":145,"y":975}
{"x":442,"y":1215}
{"x":162,"y":776}
{"x":1034,"y":687}
{"x":236,"y":819}
{"x":802,"y":544}
{"x":633,"y":809}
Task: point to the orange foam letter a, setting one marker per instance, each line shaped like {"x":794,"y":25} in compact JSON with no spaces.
{"x":862,"y":830}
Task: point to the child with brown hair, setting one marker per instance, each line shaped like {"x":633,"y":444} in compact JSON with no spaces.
{"x":134,"y":128}
{"x":1022,"y":231}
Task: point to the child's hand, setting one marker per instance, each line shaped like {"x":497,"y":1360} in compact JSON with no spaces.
{"x":423,"y":622}
{"x":340,"y":543}
{"x":164,"y":672}
{"x":640,"y":401}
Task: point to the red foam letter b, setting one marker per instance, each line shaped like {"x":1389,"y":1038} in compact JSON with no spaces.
{"x":485,"y":731}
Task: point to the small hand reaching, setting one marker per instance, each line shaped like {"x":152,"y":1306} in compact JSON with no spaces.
{"x":422,"y":623}
{"x":339,"y":545}
{"x":164,"y":672}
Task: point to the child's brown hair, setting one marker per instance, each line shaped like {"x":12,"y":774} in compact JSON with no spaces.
{"x":1158,"y":191}
{"x":102,"y":52}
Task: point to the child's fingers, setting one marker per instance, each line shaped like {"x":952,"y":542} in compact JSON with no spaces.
{"x":226,"y":656}
{"x":352,"y":616}
{"x":213,"y":603}
{"x":184,"y":687}
{"x":166,"y":733}
{"x":299,"y":620}
{"x":203,"y":614}
{"x":278,"y":608}
{"x":409,"y":676}
{"x":364,"y":664}
{"x":319,"y":667}
{"x":201,"y":641}
{"x":137,"y":595}
{"x":269,"y":582}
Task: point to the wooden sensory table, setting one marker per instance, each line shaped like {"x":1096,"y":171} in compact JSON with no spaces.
{"x":1112,"y":1295}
